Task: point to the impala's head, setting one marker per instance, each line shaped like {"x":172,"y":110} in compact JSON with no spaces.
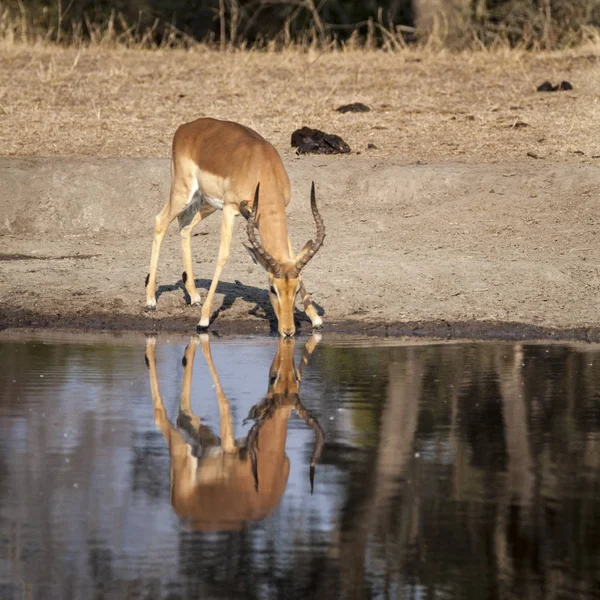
{"x":284,"y":278}
{"x":283,"y":396}
{"x":282,"y":294}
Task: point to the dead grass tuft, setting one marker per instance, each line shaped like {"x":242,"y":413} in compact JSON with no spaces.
{"x":304,"y":24}
{"x":114,"y":31}
{"x":105,"y":101}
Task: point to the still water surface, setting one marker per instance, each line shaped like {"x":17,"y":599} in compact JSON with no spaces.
{"x":129,"y":469}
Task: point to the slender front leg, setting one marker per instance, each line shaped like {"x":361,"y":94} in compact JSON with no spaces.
{"x":188,"y":369}
{"x":186,"y":249}
{"x":227,"y":437}
{"x":226,"y":232}
{"x":309,"y":308}
{"x":309,"y":348}
{"x":183,"y":187}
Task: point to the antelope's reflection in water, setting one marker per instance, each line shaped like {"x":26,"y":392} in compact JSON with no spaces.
{"x":218,"y":482}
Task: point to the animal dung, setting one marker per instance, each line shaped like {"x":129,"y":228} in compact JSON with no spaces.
{"x":315,"y":141}
{"x":354,"y":107}
{"x":548,"y":87}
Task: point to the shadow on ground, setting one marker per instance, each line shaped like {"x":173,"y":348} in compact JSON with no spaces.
{"x":253,"y":295}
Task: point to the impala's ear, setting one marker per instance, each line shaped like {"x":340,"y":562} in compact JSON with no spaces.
{"x":256,"y":257}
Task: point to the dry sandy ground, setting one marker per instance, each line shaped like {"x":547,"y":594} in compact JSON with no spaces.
{"x":448,"y":227}
{"x":448,"y":249}
{"x":98,"y":102}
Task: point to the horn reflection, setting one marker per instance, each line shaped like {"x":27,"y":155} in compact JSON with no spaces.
{"x":218,"y":482}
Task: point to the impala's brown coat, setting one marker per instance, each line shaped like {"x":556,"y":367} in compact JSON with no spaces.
{"x":219,"y":487}
{"x":218,"y":165}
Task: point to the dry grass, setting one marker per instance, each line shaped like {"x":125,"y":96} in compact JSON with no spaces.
{"x":425,"y":106}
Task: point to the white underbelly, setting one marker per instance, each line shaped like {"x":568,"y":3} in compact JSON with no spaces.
{"x":212,"y":187}
{"x":214,"y":202}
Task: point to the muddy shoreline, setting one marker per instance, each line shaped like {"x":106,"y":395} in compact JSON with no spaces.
{"x":439,"y":330}
{"x":447,"y":251}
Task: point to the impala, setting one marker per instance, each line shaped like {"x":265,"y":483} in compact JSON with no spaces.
{"x":218,"y":483}
{"x":221,"y":165}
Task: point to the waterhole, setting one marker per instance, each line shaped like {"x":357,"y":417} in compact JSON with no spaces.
{"x":203,"y":467}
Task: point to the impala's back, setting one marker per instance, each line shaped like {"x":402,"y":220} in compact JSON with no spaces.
{"x":236,"y":158}
{"x":219,"y":490}
{"x":221,"y":165}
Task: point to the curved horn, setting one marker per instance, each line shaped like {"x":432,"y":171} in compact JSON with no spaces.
{"x":311,"y":247}
{"x":273,"y":265}
{"x":319,"y":439}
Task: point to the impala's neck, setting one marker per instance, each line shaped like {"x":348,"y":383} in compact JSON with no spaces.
{"x":272,"y":226}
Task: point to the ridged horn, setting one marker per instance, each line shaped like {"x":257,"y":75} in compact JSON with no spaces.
{"x":319,"y":439}
{"x":274,"y":266}
{"x":311,"y":247}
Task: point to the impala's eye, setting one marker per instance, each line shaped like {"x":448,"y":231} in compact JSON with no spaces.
{"x":273,"y":290}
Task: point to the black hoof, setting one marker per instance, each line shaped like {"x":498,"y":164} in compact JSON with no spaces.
{"x":318,"y":327}
{"x":202,"y":328}
{"x":199,"y":303}
{"x":149,"y":308}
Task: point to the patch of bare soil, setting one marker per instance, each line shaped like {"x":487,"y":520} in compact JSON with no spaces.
{"x":446,"y":249}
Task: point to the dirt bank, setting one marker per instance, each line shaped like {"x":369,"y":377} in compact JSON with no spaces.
{"x":444,"y":249}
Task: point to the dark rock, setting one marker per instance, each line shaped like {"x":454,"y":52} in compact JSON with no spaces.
{"x":548,"y":87}
{"x":354,"y":107}
{"x":315,"y":141}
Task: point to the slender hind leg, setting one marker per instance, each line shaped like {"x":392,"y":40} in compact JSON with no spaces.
{"x":187,"y":420}
{"x":186,"y":247}
{"x":227,"y":437}
{"x":183,"y":188}
{"x":309,"y":308}
{"x":185,"y":407}
{"x":172,"y":436}
{"x":161,"y":223}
